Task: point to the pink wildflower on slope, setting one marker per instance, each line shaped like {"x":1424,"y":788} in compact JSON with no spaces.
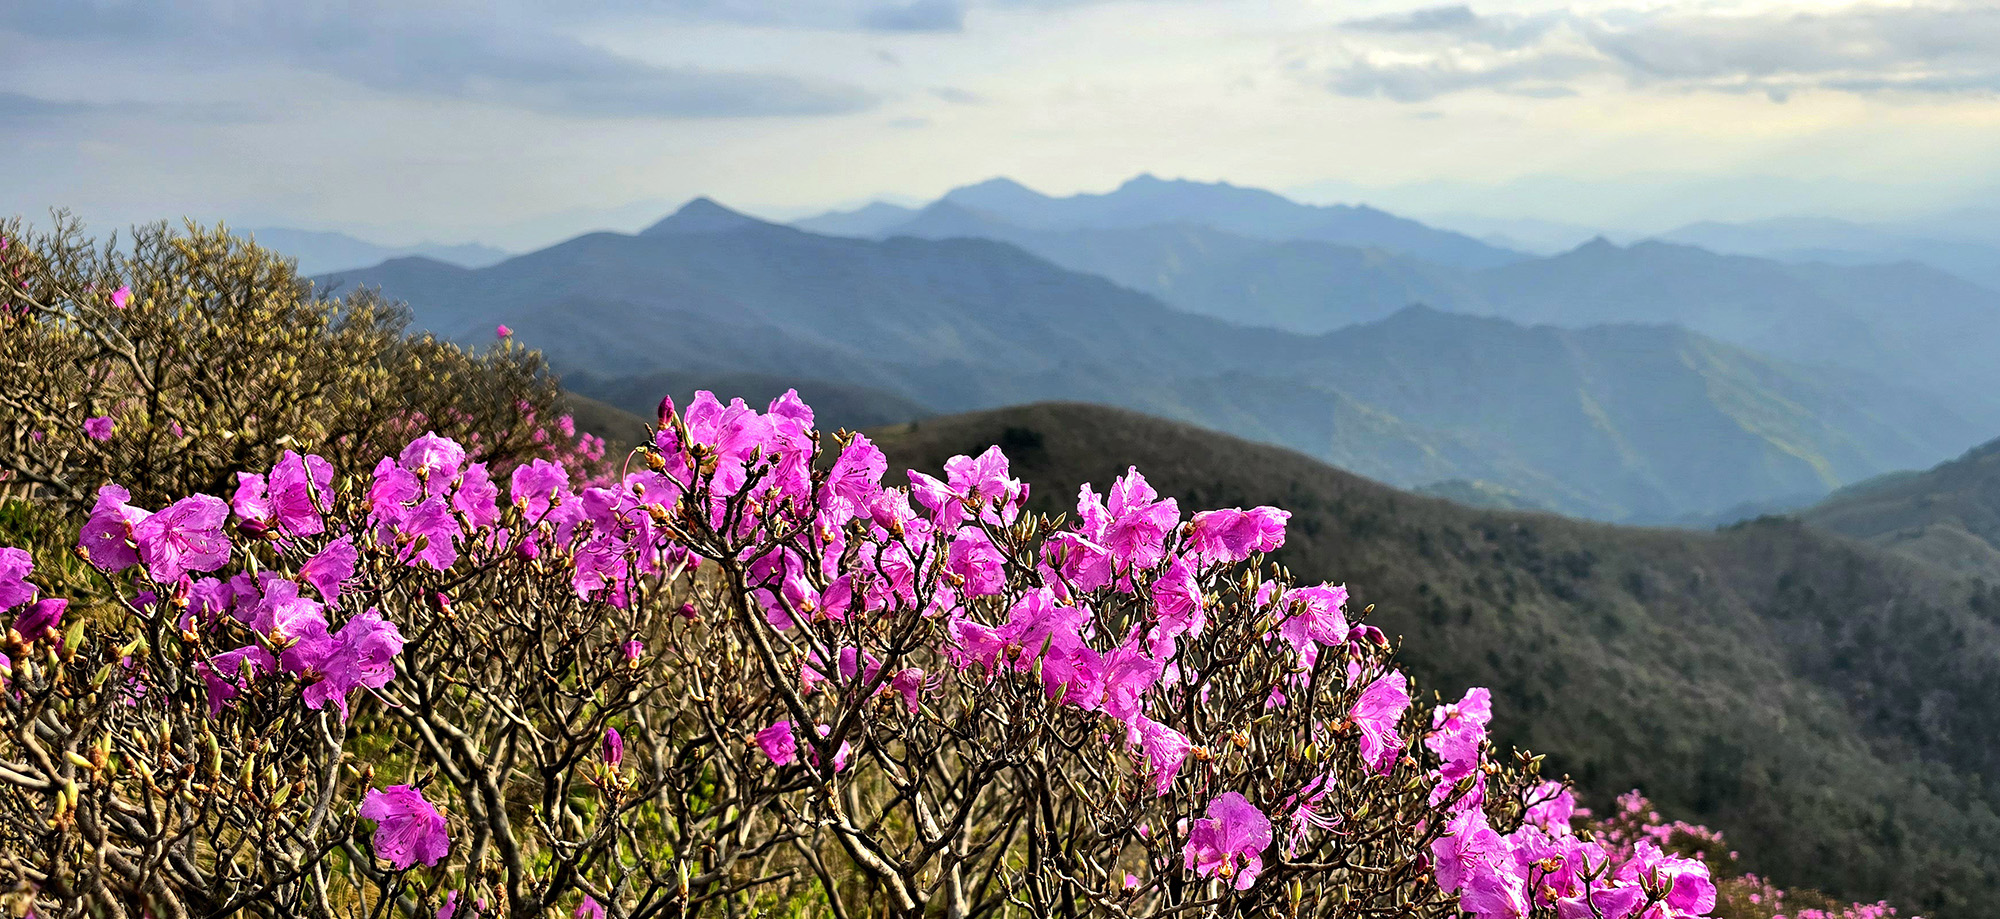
{"x":1229,"y":841}
{"x":14,"y":587}
{"x":1375,"y":713}
{"x":408,"y":829}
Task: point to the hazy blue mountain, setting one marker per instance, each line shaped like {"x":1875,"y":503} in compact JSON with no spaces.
{"x":1979,"y":223}
{"x":872,"y":220}
{"x":319,"y":252}
{"x":1630,"y":422}
{"x":1841,"y":242}
{"x":1147,"y":201}
{"x":1521,"y":234}
{"x":702,"y":216}
{"x":1904,"y":322}
{"x":1298,"y":285}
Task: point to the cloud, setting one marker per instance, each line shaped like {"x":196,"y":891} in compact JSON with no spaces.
{"x":916,"y":16}
{"x":1420,"y":55}
{"x":956,"y":96}
{"x":23,"y":107}
{"x":17,"y":105}
{"x":564,"y":77}
{"x":515,"y":57}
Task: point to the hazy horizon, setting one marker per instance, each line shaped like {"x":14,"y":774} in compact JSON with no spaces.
{"x":519,"y":123}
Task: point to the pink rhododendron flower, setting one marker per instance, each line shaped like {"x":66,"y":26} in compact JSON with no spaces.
{"x":537,"y":486}
{"x":434,"y":460}
{"x":408,"y":830}
{"x":295,"y":626}
{"x":854,"y":482}
{"x":40,"y":620}
{"x":1229,"y":841}
{"x":908,"y":682}
{"x":99,"y":428}
{"x":589,"y":908}
{"x":1140,"y":522}
{"x":224,"y":674}
{"x":1475,"y":862}
{"x":121,"y":296}
{"x":1690,"y":892}
{"x":300,"y":488}
{"x":984,"y":483}
{"x":1313,"y":619}
{"x":1375,"y":713}
{"x":974,"y":558}
{"x":477,"y":497}
{"x":186,"y":536}
{"x":332,"y":567}
{"x":501,"y":331}
{"x":1457,"y":730}
{"x":1180,"y":606}
{"x":361,"y":655}
{"x":779,"y":743}
{"x":1553,"y":807}
{"x":1164,"y":750}
{"x":14,"y":587}
{"x":1128,"y":674}
{"x":1230,"y":535}
{"x":433,"y":533}
{"x":1072,"y":561}
{"x":252,"y":499}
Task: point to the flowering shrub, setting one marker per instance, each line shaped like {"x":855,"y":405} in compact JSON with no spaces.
{"x":186,"y":357}
{"x":1739,"y":894}
{"x":746,"y":671}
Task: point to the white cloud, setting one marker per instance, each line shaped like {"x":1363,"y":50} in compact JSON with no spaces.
{"x":1864,"y":48}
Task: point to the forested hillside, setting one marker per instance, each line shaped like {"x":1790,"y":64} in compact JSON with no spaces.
{"x":1827,"y":704}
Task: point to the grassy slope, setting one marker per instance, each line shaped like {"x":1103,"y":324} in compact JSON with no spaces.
{"x":1825,"y":703}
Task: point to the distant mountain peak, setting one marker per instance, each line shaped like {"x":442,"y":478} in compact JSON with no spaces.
{"x":997,"y":183}
{"x":702,"y":215}
{"x":998,"y":193}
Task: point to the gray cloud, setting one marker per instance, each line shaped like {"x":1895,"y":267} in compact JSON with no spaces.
{"x":511,"y":58}
{"x":17,"y":105}
{"x":23,"y":107}
{"x":956,"y":96}
{"x":916,"y":16}
{"x":1929,"y":49}
{"x":564,"y":77}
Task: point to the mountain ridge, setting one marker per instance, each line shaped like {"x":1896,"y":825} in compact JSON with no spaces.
{"x":964,"y":323}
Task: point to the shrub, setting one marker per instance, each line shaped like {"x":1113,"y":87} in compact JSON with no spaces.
{"x":747,"y":675}
{"x":174,"y":361}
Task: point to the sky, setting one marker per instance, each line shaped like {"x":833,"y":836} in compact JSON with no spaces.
{"x":517,"y":122}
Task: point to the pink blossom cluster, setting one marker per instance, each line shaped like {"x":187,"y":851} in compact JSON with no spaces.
{"x":735,"y":488}
{"x":1543,"y":863}
{"x":1635,"y":824}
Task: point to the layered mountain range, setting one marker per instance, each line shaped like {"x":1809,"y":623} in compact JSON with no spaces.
{"x":1655,"y":383}
{"x":1890,"y":317}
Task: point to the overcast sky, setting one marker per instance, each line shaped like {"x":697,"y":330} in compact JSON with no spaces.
{"x":517,"y":121}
